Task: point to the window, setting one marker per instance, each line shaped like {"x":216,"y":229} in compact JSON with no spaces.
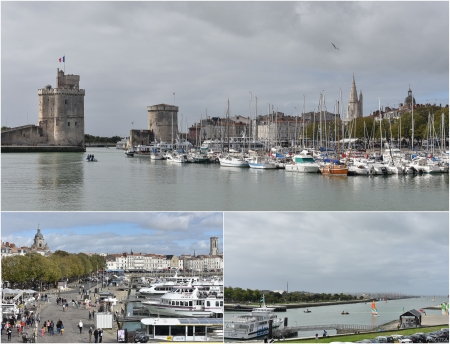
{"x":68,"y":124}
{"x":65,"y":101}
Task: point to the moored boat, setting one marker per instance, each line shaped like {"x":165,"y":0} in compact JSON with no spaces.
{"x":302,"y":163}
{"x":252,"y":325}
{"x":233,"y":161}
{"x":261,"y":162}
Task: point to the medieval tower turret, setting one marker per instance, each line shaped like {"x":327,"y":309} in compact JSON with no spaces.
{"x":61,"y":111}
{"x":355,"y":105}
{"x":213,"y":246}
{"x":163,"y":121}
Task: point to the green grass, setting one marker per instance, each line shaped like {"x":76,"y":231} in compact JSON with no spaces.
{"x":371,"y":335}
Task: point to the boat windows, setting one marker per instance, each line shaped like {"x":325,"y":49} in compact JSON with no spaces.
{"x":207,"y":303}
{"x":190,"y":303}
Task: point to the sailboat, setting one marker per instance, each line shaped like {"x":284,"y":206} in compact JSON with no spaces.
{"x":374,"y":309}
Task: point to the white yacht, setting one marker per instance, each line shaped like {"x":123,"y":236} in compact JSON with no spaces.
{"x":261,"y":162}
{"x":252,"y":325}
{"x":122,"y":144}
{"x":302,"y":163}
{"x":423,"y":165}
{"x":187,"y":301}
{"x":233,"y":161}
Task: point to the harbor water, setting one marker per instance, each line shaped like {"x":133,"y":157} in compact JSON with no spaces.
{"x":359,"y":313}
{"x":66,"y":182}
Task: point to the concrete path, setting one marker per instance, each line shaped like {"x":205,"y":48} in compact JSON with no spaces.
{"x":70,"y":318}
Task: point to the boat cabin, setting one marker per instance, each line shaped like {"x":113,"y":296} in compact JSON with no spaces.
{"x":184,"y":329}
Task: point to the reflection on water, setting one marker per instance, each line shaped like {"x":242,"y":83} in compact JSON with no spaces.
{"x":64,"y":181}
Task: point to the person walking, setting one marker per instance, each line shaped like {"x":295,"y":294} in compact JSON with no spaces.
{"x":90,"y":334}
{"x":90,"y":314}
{"x":9,"y":332}
{"x":80,"y":326}
{"x":42,"y":331}
{"x":96,"y":336}
{"x":58,"y":327}
{"x":100,"y":335}
{"x":51,"y":327}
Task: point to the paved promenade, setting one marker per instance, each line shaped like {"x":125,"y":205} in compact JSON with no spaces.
{"x":70,"y":318}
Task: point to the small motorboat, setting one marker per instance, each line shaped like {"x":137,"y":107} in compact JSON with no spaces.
{"x":344,"y":312}
{"x":91,"y":158}
{"x":130,"y":152}
{"x":307,"y":311}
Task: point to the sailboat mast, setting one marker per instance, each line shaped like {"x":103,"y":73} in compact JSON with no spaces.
{"x":381,"y":132}
{"x":228,"y":124}
{"x":303,"y":122}
{"x":412,"y":121}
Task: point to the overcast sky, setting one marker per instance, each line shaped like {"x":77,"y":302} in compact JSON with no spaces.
{"x":404,"y":252}
{"x":116,"y":232}
{"x":130,"y":55}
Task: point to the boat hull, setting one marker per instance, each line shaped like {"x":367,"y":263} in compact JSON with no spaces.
{"x":233,"y":163}
{"x":262,"y":165}
{"x":305,"y":168}
{"x":334,"y":170}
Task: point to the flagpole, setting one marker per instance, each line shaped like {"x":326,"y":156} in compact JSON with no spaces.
{"x":64,"y":58}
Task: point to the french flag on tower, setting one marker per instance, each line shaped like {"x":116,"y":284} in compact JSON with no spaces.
{"x":62,"y":59}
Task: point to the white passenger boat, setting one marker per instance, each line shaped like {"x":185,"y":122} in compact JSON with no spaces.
{"x":253,"y":325}
{"x":122,"y":144}
{"x":184,"y":330}
{"x":187,"y":301}
{"x":302,"y":163}
{"x":233,"y":161}
{"x":261,"y":162}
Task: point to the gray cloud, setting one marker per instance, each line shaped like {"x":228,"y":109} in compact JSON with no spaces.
{"x":338,"y":252}
{"x":134,"y":54}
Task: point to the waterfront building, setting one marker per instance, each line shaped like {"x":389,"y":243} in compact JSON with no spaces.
{"x":39,"y":246}
{"x":60,"y":117}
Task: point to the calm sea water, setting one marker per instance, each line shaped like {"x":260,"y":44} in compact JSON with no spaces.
{"x":66,"y":182}
{"x":359,"y":313}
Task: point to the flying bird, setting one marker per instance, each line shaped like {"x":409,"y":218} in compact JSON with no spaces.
{"x":335,"y":46}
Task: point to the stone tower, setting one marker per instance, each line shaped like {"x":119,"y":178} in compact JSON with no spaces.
{"x":163,"y":121}
{"x":213,"y":246}
{"x":355,"y":105}
{"x":410,"y":99}
{"x":61,"y":111}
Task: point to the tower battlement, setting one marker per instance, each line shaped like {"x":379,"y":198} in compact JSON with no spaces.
{"x":53,"y":91}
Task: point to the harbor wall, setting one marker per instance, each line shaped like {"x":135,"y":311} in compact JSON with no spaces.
{"x":24,"y":135}
{"x":40,"y":148}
